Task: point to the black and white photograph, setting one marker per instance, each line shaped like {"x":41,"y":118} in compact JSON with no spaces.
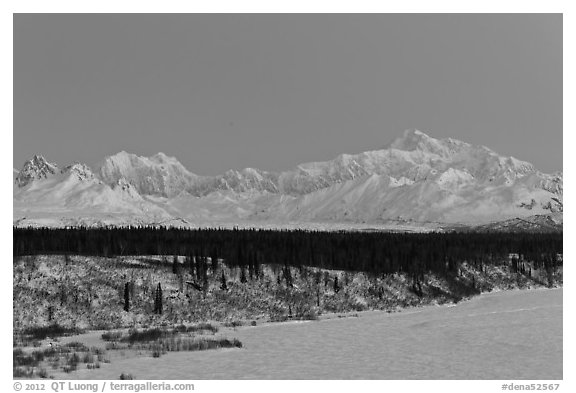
{"x":288,"y":196}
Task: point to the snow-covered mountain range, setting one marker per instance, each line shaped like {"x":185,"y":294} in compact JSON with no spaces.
{"x":415,"y":182}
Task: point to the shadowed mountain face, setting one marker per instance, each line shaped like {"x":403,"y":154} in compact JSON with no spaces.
{"x":416,"y":179}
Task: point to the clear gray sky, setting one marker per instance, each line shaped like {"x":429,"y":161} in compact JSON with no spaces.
{"x":272,"y":91}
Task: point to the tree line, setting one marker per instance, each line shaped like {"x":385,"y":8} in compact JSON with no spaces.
{"x":372,"y":252}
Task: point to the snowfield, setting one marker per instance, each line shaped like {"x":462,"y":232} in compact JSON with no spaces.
{"x":395,"y":329}
{"x":505,"y":335}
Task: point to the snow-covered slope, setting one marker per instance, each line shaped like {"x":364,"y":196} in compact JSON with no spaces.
{"x":415,"y":179}
{"x":537,"y":223}
{"x":448,"y":197}
{"x":157,"y":175}
{"x":74,"y":195}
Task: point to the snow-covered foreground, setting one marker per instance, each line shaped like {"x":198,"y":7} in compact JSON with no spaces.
{"x":503,"y":335}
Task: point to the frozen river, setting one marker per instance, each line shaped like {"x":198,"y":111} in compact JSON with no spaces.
{"x":505,"y":335}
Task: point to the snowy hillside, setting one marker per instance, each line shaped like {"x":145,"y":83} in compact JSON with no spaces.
{"x":416,"y":180}
{"x":157,"y":175}
{"x":74,"y":195}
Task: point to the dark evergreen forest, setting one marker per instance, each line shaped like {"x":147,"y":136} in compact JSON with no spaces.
{"x":376,"y":253}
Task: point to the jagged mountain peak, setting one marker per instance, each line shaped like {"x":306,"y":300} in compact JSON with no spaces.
{"x":35,"y":168}
{"x":82,"y":171}
{"x":38,"y":161}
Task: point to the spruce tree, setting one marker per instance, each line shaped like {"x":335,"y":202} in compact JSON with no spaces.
{"x":251,"y":266}
{"x":205,"y":277}
{"x":190,"y":263}
{"x":127,"y":297}
{"x":256,"y":267}
{"x":288,"y":276}
{"x":223,"y":284}
{"x":214,"y":262}
{"x":175,"y":267}
{"x":199,"y":267}
{"x":158,"y":300}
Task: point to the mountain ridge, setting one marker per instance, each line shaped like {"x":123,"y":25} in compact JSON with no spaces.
{"x":415,"y":177}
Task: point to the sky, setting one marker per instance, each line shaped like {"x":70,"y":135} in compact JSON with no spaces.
{"x":222,"y":91}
